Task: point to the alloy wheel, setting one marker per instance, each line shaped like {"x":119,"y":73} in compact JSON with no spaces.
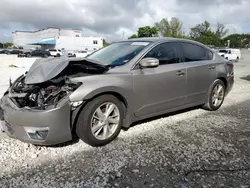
{"x":105,"y":121}
{"x":218,"y":95}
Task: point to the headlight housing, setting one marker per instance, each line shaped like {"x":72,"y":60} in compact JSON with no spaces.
{"x":75,"y":105}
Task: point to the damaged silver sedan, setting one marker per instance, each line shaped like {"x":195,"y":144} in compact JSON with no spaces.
{"x":97,"y":96}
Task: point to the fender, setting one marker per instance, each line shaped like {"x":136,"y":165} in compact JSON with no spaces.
{"x":96,"y":85}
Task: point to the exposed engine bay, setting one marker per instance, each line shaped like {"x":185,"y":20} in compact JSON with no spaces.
{"x":41,"y":95}
{"x":47,"y":94}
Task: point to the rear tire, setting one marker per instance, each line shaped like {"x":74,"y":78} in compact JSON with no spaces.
{"x":93,"y":127}
{"x":216,"y":95}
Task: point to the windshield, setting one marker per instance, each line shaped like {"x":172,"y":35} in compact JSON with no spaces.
{"x":118,"y":53}
{"x":223,"y":51}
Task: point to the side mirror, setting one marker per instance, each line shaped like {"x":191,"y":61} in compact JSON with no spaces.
{"x":149,"y":63}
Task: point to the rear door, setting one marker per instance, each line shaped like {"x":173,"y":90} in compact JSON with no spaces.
{"x":164,"y":87}
{"x":201,"y":71}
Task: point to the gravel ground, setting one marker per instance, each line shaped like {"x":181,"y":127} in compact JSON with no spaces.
{"x":192,"y":148}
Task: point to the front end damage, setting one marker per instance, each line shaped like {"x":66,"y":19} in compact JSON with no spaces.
{"x":41,"y":113}
{"x":41,"y":96}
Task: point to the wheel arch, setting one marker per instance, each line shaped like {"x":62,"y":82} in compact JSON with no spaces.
{"x":118,"y":95}
{"x":114,"y":93}
{"x":224,"y":80}
{"x":207,"y":105}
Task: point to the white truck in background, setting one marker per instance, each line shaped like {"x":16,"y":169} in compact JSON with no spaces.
{"x":230,"y":54}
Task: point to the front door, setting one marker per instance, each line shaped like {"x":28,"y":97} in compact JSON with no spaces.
{"x":161,"y":88}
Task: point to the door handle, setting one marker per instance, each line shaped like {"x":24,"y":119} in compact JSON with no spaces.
{"x":211,"y":67}
{"x":180,"y":73}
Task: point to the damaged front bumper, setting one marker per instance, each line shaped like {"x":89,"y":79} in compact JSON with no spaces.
{"x":40,"y":127}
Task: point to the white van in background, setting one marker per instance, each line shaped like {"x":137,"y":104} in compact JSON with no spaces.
{"x":230,"y":54}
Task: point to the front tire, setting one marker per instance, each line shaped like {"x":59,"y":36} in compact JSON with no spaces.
{"x":216,"y":95}
{"x":100,"y":121}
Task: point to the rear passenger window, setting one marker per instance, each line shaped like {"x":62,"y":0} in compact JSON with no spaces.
{"x":193,"y":52}
{"x":166,"y":53}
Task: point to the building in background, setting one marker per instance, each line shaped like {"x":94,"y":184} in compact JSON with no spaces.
{"x":55,"y":38}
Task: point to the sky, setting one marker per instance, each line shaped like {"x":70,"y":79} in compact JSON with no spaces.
{"x":113,"y":19}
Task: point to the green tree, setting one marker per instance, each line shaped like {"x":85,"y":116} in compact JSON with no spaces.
{"x":147,"y":31}
{"x":209,"y":38}
{"x":221,"y":31}
{"x":204,"y":34}
{"x":238,"y":40}
{"x":105,"y":43}
{"x":163,"y":27}
{"x":1,"y":45}
{"x":197,"y":31}
{"x":172,"y":28}
{"x":133,"y":36}
{"x":8,"y":44}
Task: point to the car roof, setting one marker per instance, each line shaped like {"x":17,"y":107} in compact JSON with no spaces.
{"x":163,"y":39}
{"x":156,"y":39}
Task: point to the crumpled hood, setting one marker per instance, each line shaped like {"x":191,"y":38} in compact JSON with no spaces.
{"x":43,"y":70}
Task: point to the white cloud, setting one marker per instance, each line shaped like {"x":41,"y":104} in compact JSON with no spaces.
{"x":109,"y":18}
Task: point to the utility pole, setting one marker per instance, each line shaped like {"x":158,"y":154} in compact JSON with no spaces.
{"x":228,"y":43}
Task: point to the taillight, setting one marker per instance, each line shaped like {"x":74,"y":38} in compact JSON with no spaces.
{"x":230,"y":65}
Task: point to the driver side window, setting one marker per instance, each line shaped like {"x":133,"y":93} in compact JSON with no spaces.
{"x":166,"y":53}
